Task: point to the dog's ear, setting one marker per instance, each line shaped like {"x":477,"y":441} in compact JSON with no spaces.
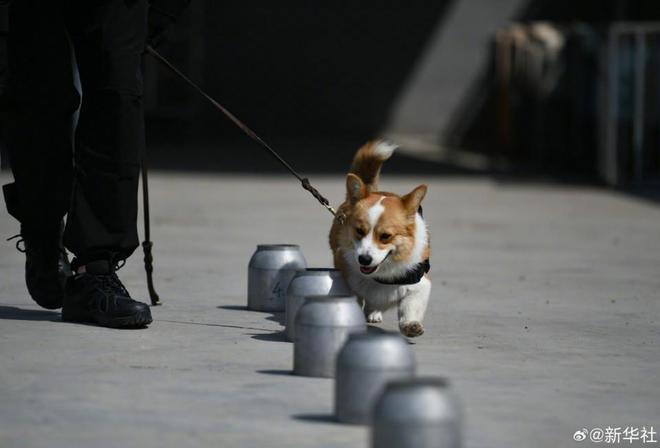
{"x":412,"y":200}
{"x":355,"y":188}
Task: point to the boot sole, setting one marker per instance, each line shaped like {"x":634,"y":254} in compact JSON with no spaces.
{"x":137,"y":320}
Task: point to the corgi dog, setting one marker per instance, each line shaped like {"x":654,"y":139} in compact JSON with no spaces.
{"x":381,"y":245}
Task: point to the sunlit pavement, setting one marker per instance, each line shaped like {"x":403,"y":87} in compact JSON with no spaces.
{"x":544,"y":314}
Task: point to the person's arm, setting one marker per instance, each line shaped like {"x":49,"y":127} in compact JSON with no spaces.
{"x":162,"y":14}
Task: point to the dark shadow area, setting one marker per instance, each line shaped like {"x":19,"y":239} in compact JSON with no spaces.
{"x":277,"y":336}
{"x":277,"y":317}
{"x":372,"y":329}
{"x":317,"y":99}
{"x":90,"y":324}
{"x":314,"y":82}
{"x":535,"y":176}
{"x":307,"y":156}
{"x":649,"y":194}
{"x":233,"y":307}
{"x":607,"y":10}
{"x":302,"y":69}
{"x":13,"y":313}
{"x":316,"y":418}
{"x":276,"y":372}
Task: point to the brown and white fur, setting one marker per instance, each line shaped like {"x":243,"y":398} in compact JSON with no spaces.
{"x":387,"y":229}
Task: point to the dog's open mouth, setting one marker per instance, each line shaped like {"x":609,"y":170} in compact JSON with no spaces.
{"x":368,"y":269}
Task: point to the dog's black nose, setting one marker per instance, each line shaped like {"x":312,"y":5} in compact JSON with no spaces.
{"x":365,"y":260}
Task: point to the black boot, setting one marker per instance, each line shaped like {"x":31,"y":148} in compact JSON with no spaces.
{"x":46,"y":265}
{"x":98,"y":296}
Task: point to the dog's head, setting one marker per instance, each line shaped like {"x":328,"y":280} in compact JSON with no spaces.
{"x":384,"y":228}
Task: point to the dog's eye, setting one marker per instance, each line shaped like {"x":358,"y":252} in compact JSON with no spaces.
{"x":385,"y":237}
{"x":360,"y":232}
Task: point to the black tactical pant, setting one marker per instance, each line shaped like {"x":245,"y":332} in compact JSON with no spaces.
{"x":97,"y":183}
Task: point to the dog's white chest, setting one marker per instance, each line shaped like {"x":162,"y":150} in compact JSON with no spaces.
{"x":376,"y":294}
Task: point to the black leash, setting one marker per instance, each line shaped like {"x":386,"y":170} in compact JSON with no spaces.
{"x":249,"y":132}
{"x":147,"y":244}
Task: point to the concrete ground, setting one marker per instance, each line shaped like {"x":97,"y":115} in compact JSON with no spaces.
{"x":544,"y":314}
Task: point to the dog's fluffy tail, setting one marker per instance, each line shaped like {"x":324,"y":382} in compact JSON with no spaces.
{"x":368,"y":160}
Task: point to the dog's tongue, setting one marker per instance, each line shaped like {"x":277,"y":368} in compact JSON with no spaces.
{"x":367,"y":270}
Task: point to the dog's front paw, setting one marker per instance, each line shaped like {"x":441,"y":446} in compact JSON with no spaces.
{"x":374,"y":317}
{"x":412,"y":329}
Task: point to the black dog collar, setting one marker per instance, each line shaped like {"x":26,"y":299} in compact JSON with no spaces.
{"x":411,"y":277}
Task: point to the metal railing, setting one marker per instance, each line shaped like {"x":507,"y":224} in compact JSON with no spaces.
{"x":630,"y":104}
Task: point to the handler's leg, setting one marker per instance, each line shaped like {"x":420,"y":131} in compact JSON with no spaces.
{"x":109,"y":39}
{"x":42,"y":100}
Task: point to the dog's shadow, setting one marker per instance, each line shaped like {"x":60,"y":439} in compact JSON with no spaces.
{"x":14,"y":313}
